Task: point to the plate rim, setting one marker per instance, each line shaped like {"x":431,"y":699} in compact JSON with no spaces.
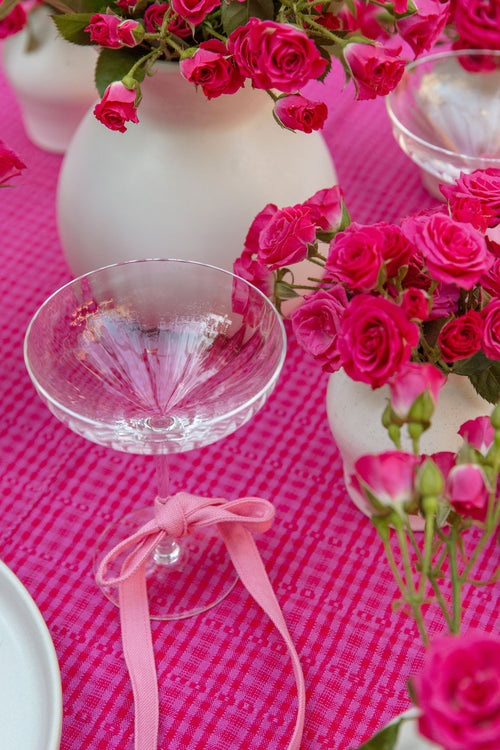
{"x":54,"y":674}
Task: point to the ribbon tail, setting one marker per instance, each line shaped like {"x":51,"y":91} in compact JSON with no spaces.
{"x":139,"y":657}
{"x":250,"y":568}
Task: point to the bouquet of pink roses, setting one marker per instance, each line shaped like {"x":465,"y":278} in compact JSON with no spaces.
{"x":405,"y":305}
{"x":378,"y":296}
{"x":224,"y":44}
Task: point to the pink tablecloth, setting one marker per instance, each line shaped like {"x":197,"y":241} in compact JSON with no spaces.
{"x":225,"y":680}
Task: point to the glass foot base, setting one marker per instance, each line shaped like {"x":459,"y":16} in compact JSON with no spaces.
{"x":184,"y":577}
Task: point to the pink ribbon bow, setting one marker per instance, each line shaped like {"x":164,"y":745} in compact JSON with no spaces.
{"x":176,"y":516}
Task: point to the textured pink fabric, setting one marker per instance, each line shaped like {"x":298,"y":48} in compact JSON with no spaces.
{"x":224,"y":678}
{"x":177,"y":516}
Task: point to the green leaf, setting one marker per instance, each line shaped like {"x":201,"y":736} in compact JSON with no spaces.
{"x":71,"y":26}
{"x":237,"y":13}
{"x":471,"y":365}
{"x":487,"y":383}
{"x":385,"y":739}
{"x":284,"y":290}
{"x":115,"y":64}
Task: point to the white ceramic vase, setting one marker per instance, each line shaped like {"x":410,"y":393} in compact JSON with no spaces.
{"x":187,"y":181}
{"x":408,"y":736}
{"x":355,"y":411}
{"x":52,"y":79}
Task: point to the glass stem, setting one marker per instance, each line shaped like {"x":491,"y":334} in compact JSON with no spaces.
{"x":168,"y":551}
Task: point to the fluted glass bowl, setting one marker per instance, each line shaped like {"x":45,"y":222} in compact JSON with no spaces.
{"x":445,"y":114}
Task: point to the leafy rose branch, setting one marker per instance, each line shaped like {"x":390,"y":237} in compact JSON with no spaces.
{"x":223,"y":45}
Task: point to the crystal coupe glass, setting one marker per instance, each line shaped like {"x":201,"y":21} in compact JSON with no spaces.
{"x":158,"y":357}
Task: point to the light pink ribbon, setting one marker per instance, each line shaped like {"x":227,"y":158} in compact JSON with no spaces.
{"x":177,"y":516}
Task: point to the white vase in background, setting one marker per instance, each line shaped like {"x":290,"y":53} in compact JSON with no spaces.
{"x":186,"y":181}
{"x":52,"y":79}
{"x":355,"y":417}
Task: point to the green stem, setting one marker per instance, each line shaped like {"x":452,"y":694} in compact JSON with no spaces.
{"x":456,"y":582}
{"x":413,"y":599}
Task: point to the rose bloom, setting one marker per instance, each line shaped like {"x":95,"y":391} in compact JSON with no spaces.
{"x":479,"y":433}
{"x":410,"y":382}
{"x":461,"y":337}
{"x":13,"y":22}
{"x":249,"y":268}
{"x":194,"y":11}
{"x":285,"y":239}
{"x":422,"y":29}
{"x":490,"y":343}
{"x":453,"y":252}
{"x":355,"y":256}
{"x":153,"y":17}
{"x":458,"y":692}
{"x":396,"y":248}
{"x":10,"y":164}
{"x":444,"y":301}
{"x":467,"y":491}
{"x":103,"y":30}
{"x":326,"y":208}
{"x":125,"y":31}
{"x":363,"y":18}
{"x":375,"y":340}
{"x":376,"y":70}
{"x":316,"y":324}
{"x":475,"y":198}
{"x":210,"y":68}
{"x":116,"y":107}
{"x":275,"y":55}
{"x":477,"y":23}
{"x":415,"y":304}
{"x":389,"y":477}
{"x":298,"y":113}
{"x":490,"y":281}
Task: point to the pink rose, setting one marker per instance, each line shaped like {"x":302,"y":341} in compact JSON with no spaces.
{"x":153,"y":17}
{"x":412,"y":381}
{"x":362,"y":17}
{"x":458,"y":692}
{"x":103,"y":29}
{"x":285,"y":239}
{"x":461,"y":337}
{"x":375,"y":340}
{"x":326,"y":208}
{"x":444,"y":460}
{"x":10,"y":164}
{"x":316,"y":324}
{"x":249,"y":268}
{"x":467,"y":491}
{"x":386,"y":480}
{"x":13,"y":22}
{"x":475,"y":198}
{"x":275,"y":55}
{"x":422,"y":29}
{"x":477,"y":23}
{"x":479,"y":433}
{"x":211,"y":69}
{"x":130,"y":32}
{"x":375,"y":69}
{"x":454,"y":253}
{"x":194,"y":11}
{"x":490,"y":343}
{"x":491,"y":281}
{"x":415,"y":304}
{"x":444,"y":301}
{"x":298,"y":113}
{"x":116,"y":107}
{"x":355,"y":257}
{"x":396,"y":249}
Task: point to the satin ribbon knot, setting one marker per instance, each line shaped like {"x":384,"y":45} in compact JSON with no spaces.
{"x":177,"y":516}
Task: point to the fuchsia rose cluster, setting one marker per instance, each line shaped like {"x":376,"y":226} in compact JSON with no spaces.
{"x":382,"y":295}
{"x":223,"y":45}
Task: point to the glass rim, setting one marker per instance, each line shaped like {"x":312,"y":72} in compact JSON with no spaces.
{"x":88,"y":420}
{"x":483,"y":161}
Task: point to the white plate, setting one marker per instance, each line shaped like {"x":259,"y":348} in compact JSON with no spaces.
{"x":30,"y":682}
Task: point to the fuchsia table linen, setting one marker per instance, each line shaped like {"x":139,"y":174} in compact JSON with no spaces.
{"x":225,"y":679}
